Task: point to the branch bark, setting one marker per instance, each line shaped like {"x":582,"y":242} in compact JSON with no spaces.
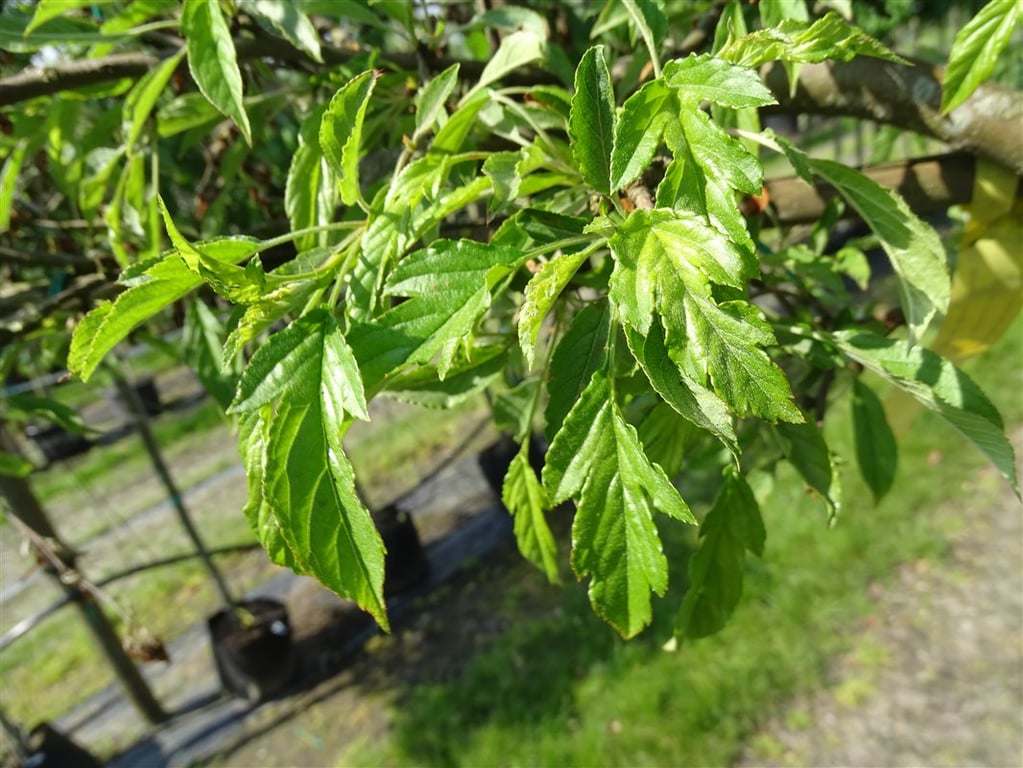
{"x":988,"y":124}
{"x":929,"y":185}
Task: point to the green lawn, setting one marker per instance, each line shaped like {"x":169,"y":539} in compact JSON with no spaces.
{"x":560,"y":689}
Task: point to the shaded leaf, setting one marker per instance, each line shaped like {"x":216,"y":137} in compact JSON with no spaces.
{"x":290,"y":21}
{"x":876,"y":449}
{"x":732,"y":526}
{"x":597,"y":460}
{"x":807,"y":451}
{"x":581,"y":352}
{"x":541,"y":293}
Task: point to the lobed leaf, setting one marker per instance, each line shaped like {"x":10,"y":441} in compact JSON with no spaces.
{"x":296,"y":363}
{"x":597,"y":460}
{"x":682,"y":392}
{"x":699,"y":78}
{"x":524,"y":496}
{"x":309,"y":195}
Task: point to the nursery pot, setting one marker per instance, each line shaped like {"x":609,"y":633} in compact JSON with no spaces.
{"x":56,"y":443}
{"x":49,"y":748}
{"x":406,"y":564}
{"x":148,"y":397}
{"x":252,"y":648}
{"x":495,"y":459}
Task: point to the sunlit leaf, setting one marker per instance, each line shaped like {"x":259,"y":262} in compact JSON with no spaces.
{"x":212,"y":60}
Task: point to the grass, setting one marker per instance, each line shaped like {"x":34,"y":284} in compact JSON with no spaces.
{"x":560,"y":689}
{"x":57,"y":665}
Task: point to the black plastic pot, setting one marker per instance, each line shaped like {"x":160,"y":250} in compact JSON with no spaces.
{"x":49,"y":748}
{"x":253,"y":649}
{"x":56,"y":443}
{"x":496,"y":457}
{"x":149,"y":396}
{"x":406,"y":564}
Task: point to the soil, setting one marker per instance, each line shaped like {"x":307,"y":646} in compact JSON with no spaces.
{"x":936,"y":675}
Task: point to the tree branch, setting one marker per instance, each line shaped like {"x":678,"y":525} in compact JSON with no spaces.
{"x":988,"y":124}
{"x":929,"y":185}
{"x":68,"y":75}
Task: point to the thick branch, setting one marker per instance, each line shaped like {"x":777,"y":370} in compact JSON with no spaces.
{"x":42,"y":81}
{"x":989,"y":123}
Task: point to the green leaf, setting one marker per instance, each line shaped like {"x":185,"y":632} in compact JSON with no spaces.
{"x":939,"y":386}
{"x":240,"y":285}
{"x":664,"y":264}
{"x":154,"y":289}
{"x":876,"y":449}
{"x":597,"y":460}
{"x":681,"y":391}
{"x":650,"y":22}
{"x":423,"y":385}
{"x":591,"y":126}
{"x":516,"y":50}
{"x":912,"y":245}
{"x":638,"y":131}
{"x":9,"y":181}
{"x":542,"y":291}
{"x":660,"y":253}
{"x":720,"y":156}
{"x":52,"y":410}
{"x":732,"y":526}
{"x":212,"y":60}
{"x":830,"y":37}
{"x":188,"y":111}
{"x":731,"y":337}
{"x":431,"y":99}
{"x":52,"y":9}
{"x":526,"y":499}
{"x":141,"y":100}
{"x":581,"y":352}
{"x":807,"y":451}
{"x":309,"y":195}
{"x":202,"y":350}
{"x":309,"y":487}
{"x":775,"y":12}
{"x":341,"y":132}
{"x":976,"y":50}
{"x":448,"y":285}
{"x":252,"y":443}
{"x":699,"y":78}
{"x":12,"y":465}
{"x":290,"y":21}
{"x":309,"y":354}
